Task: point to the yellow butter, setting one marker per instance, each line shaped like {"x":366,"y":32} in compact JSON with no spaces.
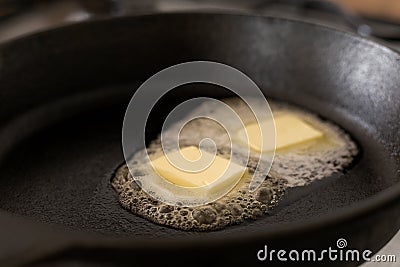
{"x":219,"y":173}
{"x":290,"y":130}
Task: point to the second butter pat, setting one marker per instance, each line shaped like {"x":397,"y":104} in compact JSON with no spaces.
{"x":290,"y":130}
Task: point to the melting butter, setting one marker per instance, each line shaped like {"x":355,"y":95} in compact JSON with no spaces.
{"x":188,"y":170}
{"x":289,"y":130}
{"x":311,"y":158}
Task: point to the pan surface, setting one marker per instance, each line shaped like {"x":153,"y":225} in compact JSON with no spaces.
{"x":63,"y":97}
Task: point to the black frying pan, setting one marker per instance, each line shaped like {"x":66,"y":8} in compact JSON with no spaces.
{"x":63,"y":96}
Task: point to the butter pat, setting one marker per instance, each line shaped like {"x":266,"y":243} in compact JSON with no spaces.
{"x":217,"y":175}
{"x":290,"y":130}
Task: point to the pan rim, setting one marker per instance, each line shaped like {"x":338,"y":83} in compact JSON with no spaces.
{"x":341,"y":215}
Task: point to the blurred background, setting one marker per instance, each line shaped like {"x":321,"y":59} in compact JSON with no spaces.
{"x":376,"y":18}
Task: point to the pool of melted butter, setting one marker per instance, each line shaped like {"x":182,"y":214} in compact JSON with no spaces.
{"x":295,"y":166}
